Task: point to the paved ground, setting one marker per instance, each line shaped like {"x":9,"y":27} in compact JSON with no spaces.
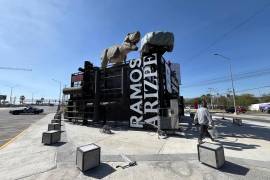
{"x":250,"y":141}
{"x":252,"y":117}
{"x":246,"y":150}
{"x":11,"y":125}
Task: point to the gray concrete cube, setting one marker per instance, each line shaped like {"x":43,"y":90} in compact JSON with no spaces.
{"x":54,"y":126}
{"x":56,"y":121}
{"x":211,"y":154}
{"x":88,"y":157}
{"x":51,"y":137}
{"x":57,"y":116}
{"x":237,"y":121}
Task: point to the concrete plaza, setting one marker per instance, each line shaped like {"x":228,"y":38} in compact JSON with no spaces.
{"x":247,"y":150}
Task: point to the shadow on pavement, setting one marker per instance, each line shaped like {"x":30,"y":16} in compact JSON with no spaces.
{"x":228,"y":129}
{"x":58,"y":144}
{"x":237,"y":146}
{"x":232,"y":168}
{"x":100,"y":172}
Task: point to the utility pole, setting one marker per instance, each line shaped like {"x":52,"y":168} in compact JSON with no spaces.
{"x":229,"y":60}
{"x":218,"y":100}
{"x":211,"y":98}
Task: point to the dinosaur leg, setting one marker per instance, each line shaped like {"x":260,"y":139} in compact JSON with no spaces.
{"x":104,"y":62}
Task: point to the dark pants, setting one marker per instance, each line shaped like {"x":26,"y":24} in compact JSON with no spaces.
{"x":204,"y":132}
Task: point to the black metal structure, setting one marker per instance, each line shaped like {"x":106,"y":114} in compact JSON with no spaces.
{"x":134,"y":93}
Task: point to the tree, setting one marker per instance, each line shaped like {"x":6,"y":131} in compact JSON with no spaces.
{"x":223,"y":101}
{"x":265,"y":98}
{"x":246,"y":100}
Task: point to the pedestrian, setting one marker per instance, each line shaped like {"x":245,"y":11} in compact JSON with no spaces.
{"x":205,"y":121}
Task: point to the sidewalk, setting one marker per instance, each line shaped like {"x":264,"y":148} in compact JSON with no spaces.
{"x":260,"y":118}
{"x":246,"y":151}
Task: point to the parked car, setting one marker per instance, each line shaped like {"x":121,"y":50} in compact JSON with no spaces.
{"x":27,"y":110}
{"x":239,"y":109}
{"x":265,"y":108}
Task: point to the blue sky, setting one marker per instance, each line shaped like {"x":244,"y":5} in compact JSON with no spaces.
{"x":54,"y":37}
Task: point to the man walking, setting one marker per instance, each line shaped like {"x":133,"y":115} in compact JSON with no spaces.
{"x":204,"y":119}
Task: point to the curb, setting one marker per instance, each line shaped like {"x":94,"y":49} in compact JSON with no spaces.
{"x":13,"y":139}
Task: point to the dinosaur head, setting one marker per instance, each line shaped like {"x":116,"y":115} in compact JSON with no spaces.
{"x":133,"y":38}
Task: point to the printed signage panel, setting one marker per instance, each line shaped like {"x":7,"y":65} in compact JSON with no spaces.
{"x":144,"y":102}
{"x":151,"y":103}
{"x":136,"y":93}
{"x":168,"y":78}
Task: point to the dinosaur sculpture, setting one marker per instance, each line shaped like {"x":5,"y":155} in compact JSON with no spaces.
{"x":117,"y":54}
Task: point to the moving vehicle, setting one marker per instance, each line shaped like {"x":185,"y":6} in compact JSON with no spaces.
{"x":239,"y":109}
{"x":27,"y":110}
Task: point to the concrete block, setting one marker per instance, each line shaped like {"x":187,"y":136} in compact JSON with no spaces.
{"x":237,"y":121}
{"x":54,"y":126}
{"x":56,"y":121}
{"x":51,"y":137}
{"x":57,"y":116}
{"x":211,"y":154}
{"x":88,"y":157}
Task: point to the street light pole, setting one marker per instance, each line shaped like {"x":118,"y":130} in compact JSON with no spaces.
{"x":11,"y":92}
{"x":35,"y":92}
{"x":229,"y":60}
{"x":10,"y":98}
{"x":60,"y":93}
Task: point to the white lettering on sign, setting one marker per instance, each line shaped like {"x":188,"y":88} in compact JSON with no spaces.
{"x":134,"y":121}
{"x":150,"y":89}
{"x":152,"y":120}
{"x":149,"y":107}
{"x":136,"y":98}
{"x":137,"y":107}
{"x":150,"y":84}
{"x":144,"y":102}
{"x":137,"y":91}
{"x":138,"y":75}
{"x":133,"y":62}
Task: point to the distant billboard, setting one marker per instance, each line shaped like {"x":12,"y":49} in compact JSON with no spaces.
{"x":77,"y":77}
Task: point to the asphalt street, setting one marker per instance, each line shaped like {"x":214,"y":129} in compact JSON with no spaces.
{"x":12,"y":125}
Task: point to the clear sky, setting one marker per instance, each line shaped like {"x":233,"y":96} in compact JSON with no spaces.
{"x":54,"y":37}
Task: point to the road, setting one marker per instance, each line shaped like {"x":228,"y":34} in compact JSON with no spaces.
{"x":12,"y":125}
{"x":251,"y":117}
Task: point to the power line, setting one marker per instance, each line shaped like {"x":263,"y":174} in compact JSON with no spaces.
{"x":224,"y":35}
{"x":241,"y":76}
{"x":244,"y":90}
{"x":16,"y":69}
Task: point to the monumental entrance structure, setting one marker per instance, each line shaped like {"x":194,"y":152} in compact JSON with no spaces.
{"x":141,"y":92}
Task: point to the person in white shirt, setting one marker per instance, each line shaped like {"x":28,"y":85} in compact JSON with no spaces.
{"x":204,"y":119}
